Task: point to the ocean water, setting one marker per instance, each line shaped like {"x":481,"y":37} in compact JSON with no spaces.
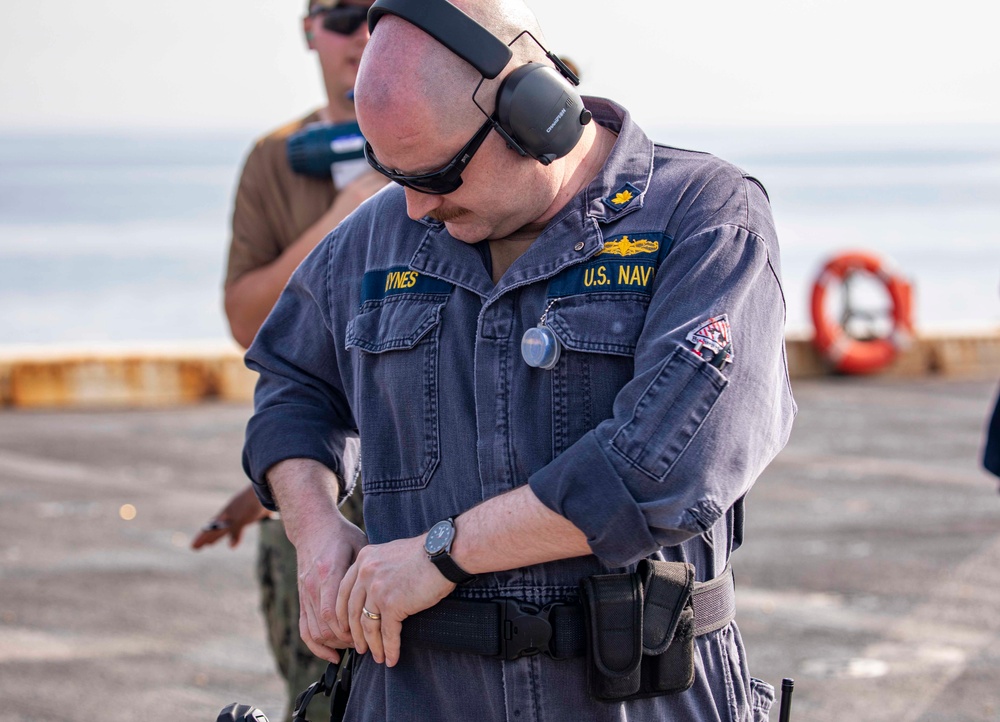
{"x":123,"y":239}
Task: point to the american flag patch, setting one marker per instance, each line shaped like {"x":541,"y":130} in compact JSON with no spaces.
{"x":713,"y":336}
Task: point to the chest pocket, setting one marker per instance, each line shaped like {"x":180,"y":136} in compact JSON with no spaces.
{"x":396,"y":391}
{"x":598,"y":332}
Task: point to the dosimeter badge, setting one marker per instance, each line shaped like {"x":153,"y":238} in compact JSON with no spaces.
{"x":540,"y":348}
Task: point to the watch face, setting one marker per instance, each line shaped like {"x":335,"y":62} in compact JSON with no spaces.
{"x":439,"y":537}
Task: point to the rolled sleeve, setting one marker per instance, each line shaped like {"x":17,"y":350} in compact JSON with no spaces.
{"x":600,"y":508}
{"x":254,"y":239}
{"x":300,"y":410}
{"x":290,"y":432}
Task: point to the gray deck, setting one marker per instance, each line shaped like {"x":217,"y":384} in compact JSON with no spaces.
{"x":870,"y":573}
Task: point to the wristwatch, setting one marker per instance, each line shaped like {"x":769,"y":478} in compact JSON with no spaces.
{"x":437,"y":544}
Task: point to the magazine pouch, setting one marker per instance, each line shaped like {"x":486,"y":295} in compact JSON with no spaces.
{"x":640,"y":631}
{"x":613,"y":610}
{"x":668,"y":627}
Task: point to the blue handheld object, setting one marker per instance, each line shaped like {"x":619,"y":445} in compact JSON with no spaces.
{"x":315,"y":149}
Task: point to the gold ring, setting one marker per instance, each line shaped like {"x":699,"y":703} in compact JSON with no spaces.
{"x":371,"y":615}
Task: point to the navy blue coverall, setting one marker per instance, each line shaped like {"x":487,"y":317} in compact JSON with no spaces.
{"x":395,"y":330}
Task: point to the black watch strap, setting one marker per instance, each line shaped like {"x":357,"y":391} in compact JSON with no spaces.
{"x":437,"y":544}
{"x":451,"y":571}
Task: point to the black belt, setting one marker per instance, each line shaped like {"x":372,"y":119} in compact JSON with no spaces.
{"x":509,"y":628}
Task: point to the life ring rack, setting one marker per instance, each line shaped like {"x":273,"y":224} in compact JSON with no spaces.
{"x":850,"y":355}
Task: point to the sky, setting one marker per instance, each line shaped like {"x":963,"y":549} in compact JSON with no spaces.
{"x":109,"y":65}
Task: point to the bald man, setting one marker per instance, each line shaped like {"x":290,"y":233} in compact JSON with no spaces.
{"x":563,"y":346}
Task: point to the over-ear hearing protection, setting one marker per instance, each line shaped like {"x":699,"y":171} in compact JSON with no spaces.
{"x":538,"y":111}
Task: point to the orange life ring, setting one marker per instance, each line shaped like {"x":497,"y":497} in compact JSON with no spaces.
{"x":861,"y":356}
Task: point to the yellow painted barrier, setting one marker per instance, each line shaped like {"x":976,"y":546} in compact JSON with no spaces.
{"x":148,"y":376}
{"x":176,"y":374}
{"x":961,"y":354}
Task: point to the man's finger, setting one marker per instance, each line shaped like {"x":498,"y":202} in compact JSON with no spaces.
{"x":320,"y":650}
{"x":355,"y":604}
{"x":343,"y":594}
{"x":390,"y":640}
{"x":343,"y":599}
{"x":373,"y":631}
{"x":309,"y":631}
{"x":330,"y":628}
{"x":205,"y":538}
{"x":308,"y":622}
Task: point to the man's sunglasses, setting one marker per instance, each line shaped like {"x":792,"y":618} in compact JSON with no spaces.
{"x":342,"y":19}
{"x":446,"y":179}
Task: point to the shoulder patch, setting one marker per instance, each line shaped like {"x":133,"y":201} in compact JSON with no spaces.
{"x":622,"y":197}
{"x":712,"y":338}
{"x":399,"y":280}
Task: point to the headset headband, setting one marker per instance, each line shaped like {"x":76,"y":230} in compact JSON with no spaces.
{"x":452,"y":28}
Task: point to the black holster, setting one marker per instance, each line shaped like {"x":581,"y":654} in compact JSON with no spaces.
{"x":640,"y":631}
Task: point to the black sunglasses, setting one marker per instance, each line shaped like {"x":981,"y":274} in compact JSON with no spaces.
{"x":446,"y":179}
{"x":342,"y":19}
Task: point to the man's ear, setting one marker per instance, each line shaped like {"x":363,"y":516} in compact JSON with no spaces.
{"x":307,"y":31}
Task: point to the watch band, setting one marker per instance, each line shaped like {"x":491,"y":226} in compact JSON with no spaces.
{"x":451,"y":571}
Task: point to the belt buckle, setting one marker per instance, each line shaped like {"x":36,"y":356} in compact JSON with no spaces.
{"x":524,"y":629}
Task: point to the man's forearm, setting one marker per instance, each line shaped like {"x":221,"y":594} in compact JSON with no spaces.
{"x":514,"y":530}
{"x":306,"y":493}
{"x":326,"y":545}
{"x":506,"y":532}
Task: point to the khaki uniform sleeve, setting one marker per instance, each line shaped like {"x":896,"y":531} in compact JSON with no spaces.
{"x":254,"y":242}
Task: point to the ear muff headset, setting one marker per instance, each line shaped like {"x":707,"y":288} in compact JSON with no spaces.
{"x":538,"y":111}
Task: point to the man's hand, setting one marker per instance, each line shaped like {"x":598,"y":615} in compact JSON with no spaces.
{"x":354,"y":194}
{"x":323,"y":559}
{"x":396,"y":580}
{"x":393,"y":580}
{"x":242,"y":509}
{"x":325,"y":546}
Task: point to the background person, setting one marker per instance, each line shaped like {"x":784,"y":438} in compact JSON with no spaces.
{"x":991,"y":447}
{"x":279,"y":216}
{"x":655,"y":274}
{"x":991,"y":451}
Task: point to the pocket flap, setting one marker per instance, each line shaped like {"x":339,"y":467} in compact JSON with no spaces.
{"x":599,"y":323}
{"x":393,"y":324}
{"x":668,"y":587}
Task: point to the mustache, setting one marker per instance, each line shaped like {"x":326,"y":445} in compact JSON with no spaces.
{"x":444,"y":215}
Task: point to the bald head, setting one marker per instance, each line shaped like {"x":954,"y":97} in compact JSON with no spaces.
{"x":407,"y":75}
